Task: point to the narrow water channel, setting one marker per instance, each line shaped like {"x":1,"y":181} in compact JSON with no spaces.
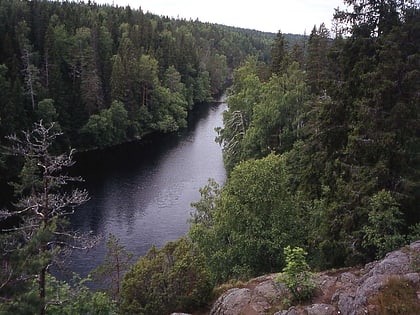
{"x":142,"y":193}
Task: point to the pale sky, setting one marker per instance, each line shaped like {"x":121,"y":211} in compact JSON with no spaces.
{"x":289,"y":16}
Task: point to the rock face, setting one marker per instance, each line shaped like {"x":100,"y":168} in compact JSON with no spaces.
{"x":256,"y":298}
{"x":344,"y":292}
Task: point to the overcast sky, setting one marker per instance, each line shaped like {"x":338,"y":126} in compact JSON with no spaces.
{"x":289,"y":16}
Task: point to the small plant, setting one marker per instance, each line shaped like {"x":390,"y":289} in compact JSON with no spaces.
{"x":398,"y":297}
{"x":296,"y":275}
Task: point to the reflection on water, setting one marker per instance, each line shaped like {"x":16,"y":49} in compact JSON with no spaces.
{"x":142,"y":193}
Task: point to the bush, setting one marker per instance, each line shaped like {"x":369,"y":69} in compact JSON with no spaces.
{"x":174,"y":278}
{"x":296,"y":275}
{"x":382,"y":233}
{"x":64,"y":299}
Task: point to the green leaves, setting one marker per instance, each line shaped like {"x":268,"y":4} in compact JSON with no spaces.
{"x":39,"y":232}
{"x":242,"y":228}
{"x":383,"y":231}
{"x":107,"y":128}
{"x":296,"y":274}
{"x":174,"y":278}
{"x":263,"y":117}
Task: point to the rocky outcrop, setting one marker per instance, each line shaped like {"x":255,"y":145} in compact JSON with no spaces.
{"x":344,"y":292}
{"x":257,"y":298}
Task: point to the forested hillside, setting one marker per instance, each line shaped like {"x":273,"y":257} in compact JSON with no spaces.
{"x":321,"y":142}
{"x":84,"y":65}
{"x":324,"y":154}
{"x":323,"y":157}
{"x":108,"y":74}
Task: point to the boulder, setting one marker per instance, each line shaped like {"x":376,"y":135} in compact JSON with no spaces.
{"x":258,"y":297}
{"x":232,"y":302}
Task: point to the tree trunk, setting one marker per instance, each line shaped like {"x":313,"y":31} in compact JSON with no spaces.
{"x":42,"y":286}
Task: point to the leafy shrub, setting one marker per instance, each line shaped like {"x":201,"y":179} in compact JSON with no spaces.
{"x":174,"y":278}
{"x":296,"y":275}
{"x":243,"y":227}
{"x":384,"y":222}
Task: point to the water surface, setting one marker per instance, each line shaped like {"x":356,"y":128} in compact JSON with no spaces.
{"x":142,"y":193}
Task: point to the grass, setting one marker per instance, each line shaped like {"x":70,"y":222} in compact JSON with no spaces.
{"x":398,"y":297}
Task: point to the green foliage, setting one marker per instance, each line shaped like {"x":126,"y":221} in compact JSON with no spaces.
{"x":296,"y":274}
{"x":414,"y":233}
{"x":317,"y":61}
{"x":276,"y":117}
{"x":237,"y":118}
{"x":263,"y":116}
{"x":110,"y":273}
{"x":46,"y":111}
{"x":348,"y":177}
{"x":247,"y":223}
{"x":357,"y":147}
{"x":172,"y":114}
{"x":39,"y":230}
{"x":384,"y":224}
{"x":65,"y":299}
{"x":85,"y":57}
{"x":205,"y":207}
{"x":348,"y":130}
{"x":174,"y":278}
{"x":279,"y":55}
{"x":108,"y":127}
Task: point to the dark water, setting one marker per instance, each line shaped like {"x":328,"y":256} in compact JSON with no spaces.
{"x":142,"y":193}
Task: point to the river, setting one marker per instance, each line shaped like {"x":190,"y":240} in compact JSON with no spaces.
{"x":142,"y":193}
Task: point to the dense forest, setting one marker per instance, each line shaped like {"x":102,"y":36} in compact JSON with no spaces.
{"x":324,"y":154}
{"x":108,"y":74}
{"x":321,"y":142}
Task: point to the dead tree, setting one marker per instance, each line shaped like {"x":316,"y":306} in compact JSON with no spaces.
{"x":42,"y":211}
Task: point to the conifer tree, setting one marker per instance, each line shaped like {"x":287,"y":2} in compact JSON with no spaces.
{"x":279,"y":55}
{"x":40,"y":234}
{"x":116,"y":263}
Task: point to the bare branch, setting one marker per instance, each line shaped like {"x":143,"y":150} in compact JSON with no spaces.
{"x":41,"y":236}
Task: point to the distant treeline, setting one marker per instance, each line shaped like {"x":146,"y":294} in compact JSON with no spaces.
{"x":108,"y":74}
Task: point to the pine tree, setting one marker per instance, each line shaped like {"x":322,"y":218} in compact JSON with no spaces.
{"x":40,"y":233}
{"x":116,"y":264}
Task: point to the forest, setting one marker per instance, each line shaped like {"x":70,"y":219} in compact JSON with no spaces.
{"x":108,"y":75}
{"x":321,"y":142}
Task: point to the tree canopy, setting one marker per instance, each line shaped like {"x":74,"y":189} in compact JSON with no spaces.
{"x":109,"y":74}
{"x":321,"y":139}
{"x":345,"y":126}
